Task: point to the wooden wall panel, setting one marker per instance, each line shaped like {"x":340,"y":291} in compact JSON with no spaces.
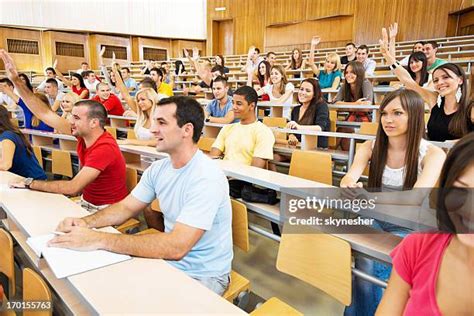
{"x":95,"y":42}
{"x":139,"y":42}
{"x":285,"y":11}
{"x":221,"y":15}
{"x":250,"y":32}
{"x":65,"y":63}
{"x":23,"y":61}
{"x":299,"y":35}
{"x":178,"y":45}
{"x":326,"y":8}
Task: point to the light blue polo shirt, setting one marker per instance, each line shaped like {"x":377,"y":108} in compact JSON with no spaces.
{"x":214,"y":109}
{"x":196,"y":195}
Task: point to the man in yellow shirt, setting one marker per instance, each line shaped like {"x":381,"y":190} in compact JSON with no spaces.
{"x":248,"y":141}
{"x":162,"y":87}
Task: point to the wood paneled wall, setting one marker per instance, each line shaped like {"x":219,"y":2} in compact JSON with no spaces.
{"x":95,"y":42}
{"x":65,"y":63}
{"x":275,"y":24}
{"x":177,"y":47}
{"x":23,"y":61}
{"x":138,"y":43}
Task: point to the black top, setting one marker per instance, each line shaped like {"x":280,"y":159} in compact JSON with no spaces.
{"x":438,"y":124}
{"x":345,"y":60}
{"x":321,"y":118}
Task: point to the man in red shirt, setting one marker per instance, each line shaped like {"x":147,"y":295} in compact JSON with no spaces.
{"x":108,"y":99}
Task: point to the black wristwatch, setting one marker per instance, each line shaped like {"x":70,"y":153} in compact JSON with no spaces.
{"x":394,"y":65}
{"x":207,"y":119}
{"x":28,"y":182}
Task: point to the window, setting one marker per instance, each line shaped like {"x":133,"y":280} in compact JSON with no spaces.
{"x":22,"y":46}
{"x":69,"y":49}
{"x":120,"y":51}
{"x":154,"y":53}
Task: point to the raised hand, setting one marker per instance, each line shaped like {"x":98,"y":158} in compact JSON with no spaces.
{"x":186,"y":53}
{"x":315,"y":40}
{"x":10,"y":67}
{"x":393,"y":30}
{"x":195,"y":53}
{"x":251,"y":51}
{"x":102,"y":51}
{"x":384,"y":42}
{"x":55,"y":64}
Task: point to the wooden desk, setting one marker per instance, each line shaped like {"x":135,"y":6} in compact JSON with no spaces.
{"x":121,"y":121}
{"x":135,"y":286}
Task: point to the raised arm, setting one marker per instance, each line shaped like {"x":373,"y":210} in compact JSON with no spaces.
{"x":428,"y":96}
{"x":104,"y":70}
{"x":123,"y":89}
{"x":392,"y":31}
{"x":37,"y":107}
{"x":66,"y":81}
{"x":314,"y":42}
{"x":249,"y":58}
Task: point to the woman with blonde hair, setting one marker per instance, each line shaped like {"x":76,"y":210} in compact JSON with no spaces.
{"x":330,"y":76}
{"x":67,"y":103}
{"x":142,"y":108}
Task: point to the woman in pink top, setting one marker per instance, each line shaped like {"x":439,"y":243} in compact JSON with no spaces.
{"x":434,"y":273}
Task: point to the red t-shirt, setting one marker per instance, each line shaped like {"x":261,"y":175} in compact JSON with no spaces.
{"x":112,"y":104}
{"x":79,"y":91}
{"x":104,"y":155}
{"x":417,"y":260}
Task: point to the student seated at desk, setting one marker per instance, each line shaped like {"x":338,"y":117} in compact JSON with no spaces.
{"x":330,"y":76}
{"x":220,"y":110}
{"x":50,"y":73}
{"x":144,"y":104}
{"x":9,"y":98}
{"x":296,"y":62}
{"x":109,"y":100}
{"x":76,"y":83}
{"x":53,"y":94}
{"x":162,"y":87}
{"x":194,"y":199}
{"x":16,"y":152}
{"x":400,"y":160}
{"x":249,"y":141}
{"x":67,"y":103}
{"x":433,"y":273}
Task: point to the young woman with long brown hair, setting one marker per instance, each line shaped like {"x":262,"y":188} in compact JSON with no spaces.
{"x":17,"y":154}
{"x":399,"y":159}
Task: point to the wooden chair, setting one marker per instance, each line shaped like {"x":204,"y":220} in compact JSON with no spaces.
{"x":311,"y":165}
{"x":7,"y":265}
{"x":319,"y":259}
{"x":205,"y":143}
{"x":274,"y":306}
{"x":276,"y":122}
{"x":239,"y":286}
{"x":368,"y":128}
{"x":61,"y":163}
{"x":132,"y":223}
{"x":112,"y":131}
{"x":131,"y":134}
{"x":35,"y":289}
{"x":332,"y":120}
{"x":38,"y":155}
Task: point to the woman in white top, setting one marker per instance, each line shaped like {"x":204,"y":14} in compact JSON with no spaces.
{"x":142,"y":108}
{"x":399,"y":159}
{"x":280,"y":91}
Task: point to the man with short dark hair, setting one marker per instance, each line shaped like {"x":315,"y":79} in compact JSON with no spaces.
{"x":163,"y":88}
{"x":8,"y":96}
{"x":53,"y":94}
{"x":194,"y":199}
{"x":363,"y":57}
{"x":91,"y":81}
{"x":431,"y":48}
{"x":220,"y":109}
{"x":271,"y":58}
{"x":253,"y":59}
{"x":129,"y":82}
{"x":109,"y":100}
{"x":101,"y":179}
{"x":350,"y":53}
{"x":50,"y":73}
{"x":84,"y":67}
{"x":248,"y":141}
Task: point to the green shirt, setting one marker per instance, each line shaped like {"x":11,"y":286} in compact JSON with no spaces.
{"x":437,"y":63}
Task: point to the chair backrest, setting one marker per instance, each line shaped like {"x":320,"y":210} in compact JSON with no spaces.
{"x":311,"y":165}
{"x":276,"y":122}
{"x":112,"y":131}
{"x":332,"y":121}
{"x":35,"y":289}
{"x":240,"y":225}
{"x":368,"y":128}
{"x":7,"y":266}
{"x":38,"y":155}
{"x":61,"y":163}
{"x":131,"y":178}
{"x":205,"y":143}
{"x":321,"y":260}
{"x":131,"y":134}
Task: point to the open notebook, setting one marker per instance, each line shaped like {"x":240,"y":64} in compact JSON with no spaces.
{"x":67,"y":262}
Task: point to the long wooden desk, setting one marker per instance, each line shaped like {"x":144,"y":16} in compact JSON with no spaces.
{"x":135,"y":286}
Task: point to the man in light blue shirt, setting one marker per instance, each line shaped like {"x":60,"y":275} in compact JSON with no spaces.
{"x":129,"y":82}
{"x":194,"y":198}
{"x":220,"y":109}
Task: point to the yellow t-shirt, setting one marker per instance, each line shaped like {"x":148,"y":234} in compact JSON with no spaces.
{"x":243,"y":142}
{"x":165,"y":89}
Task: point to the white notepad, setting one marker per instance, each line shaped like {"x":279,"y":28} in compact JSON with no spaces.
{"x":67,"y":262}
